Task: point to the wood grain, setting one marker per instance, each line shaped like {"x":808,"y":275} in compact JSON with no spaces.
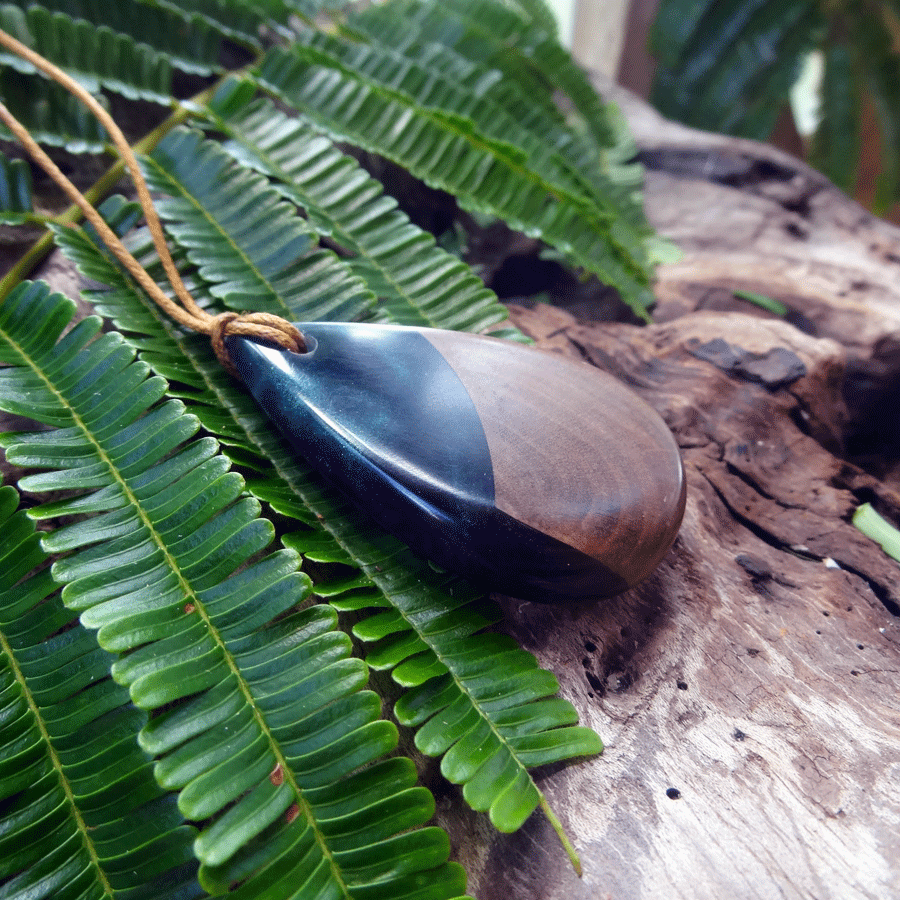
{"x":575,"y":454}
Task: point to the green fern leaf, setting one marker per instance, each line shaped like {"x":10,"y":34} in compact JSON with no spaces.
{"x":728,"y":67}
{"x":193,"y":49}
{"x":433,"y":642}
{"x":417,"y":283}
{"x":593,"y":139}
{"x":96,"y":57}
{"x":531,"y":60}
{"x":15,"y":191}
{"x":239,"y":22}
{"x":452,"y":88}
{"x":265,"y":714}
{"x":520,"y":110}
{"x":50,"y":113}
{"x":66,"y":831}
{"x":341,"y":90}
{"x":250,"y":246}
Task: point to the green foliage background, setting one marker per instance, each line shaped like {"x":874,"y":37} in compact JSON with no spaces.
{"x":727,"y":66}
{"x":186,"y":641}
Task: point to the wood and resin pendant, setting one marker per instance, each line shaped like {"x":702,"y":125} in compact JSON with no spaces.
{"x":539,"y":477}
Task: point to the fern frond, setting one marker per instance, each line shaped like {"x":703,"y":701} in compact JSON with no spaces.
{"x":730,"y":66}
{"x":266,"y":717}
{"x":593,"y":140}
{"x":249,"y":245}
{"x":96,"y":57}
{"x":448,"y":87}
{"x":15,"y":191}
{"x":416,"y":282}
{"x":488,"y":728}
{"x":425,"y":125}
{"x":592,"y":136}
{"x":539,"y":12}
{"x":239,"y":22}
{"x":192,"y":48}
{"x":50,"y":113}
{"x":501,"y":38}
{"x":66,"y":829}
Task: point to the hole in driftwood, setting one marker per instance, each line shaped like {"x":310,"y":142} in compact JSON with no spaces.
{"x":524,"y":276}
{"x":871,"y":392}
{"x":598,"y":686}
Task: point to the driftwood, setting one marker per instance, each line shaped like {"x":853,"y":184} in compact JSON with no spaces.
{"x":747,"y":691}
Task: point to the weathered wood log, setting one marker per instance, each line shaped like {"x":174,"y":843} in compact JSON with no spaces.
{"x":747,"y":692}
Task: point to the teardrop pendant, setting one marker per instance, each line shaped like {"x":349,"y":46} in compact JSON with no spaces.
{"x":540,"y":477}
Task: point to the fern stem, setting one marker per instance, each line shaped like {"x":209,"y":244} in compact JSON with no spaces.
{"x":561,"y":834}
{"x":42,"y":247}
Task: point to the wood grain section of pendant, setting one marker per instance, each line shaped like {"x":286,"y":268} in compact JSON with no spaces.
{"x":575,"y":454}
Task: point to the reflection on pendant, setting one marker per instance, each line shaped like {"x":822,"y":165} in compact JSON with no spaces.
{"x":539,"y":477}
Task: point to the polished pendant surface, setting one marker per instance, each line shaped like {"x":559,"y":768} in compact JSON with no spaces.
{"x":540,"y":477}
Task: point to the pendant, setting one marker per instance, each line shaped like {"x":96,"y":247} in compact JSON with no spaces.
{"x":537,"y":476}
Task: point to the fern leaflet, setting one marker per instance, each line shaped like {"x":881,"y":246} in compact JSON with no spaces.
{"x":96,"y":57}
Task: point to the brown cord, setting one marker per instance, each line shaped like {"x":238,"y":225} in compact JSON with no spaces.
{"x":262,"y":326}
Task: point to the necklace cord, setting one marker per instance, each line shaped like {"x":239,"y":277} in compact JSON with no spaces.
{"x":262,"y":326}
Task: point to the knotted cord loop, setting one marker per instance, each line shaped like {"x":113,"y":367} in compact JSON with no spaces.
{"x":258,"y":325}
